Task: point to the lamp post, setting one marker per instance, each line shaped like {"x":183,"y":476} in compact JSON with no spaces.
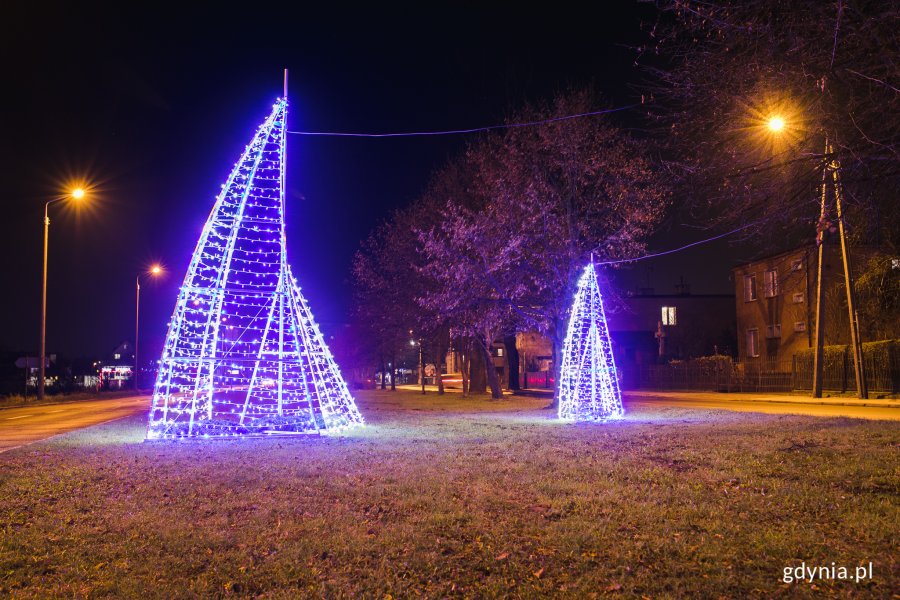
{"x":418,"y":343}
{"x":154,"y":270}
{"x":75,"y":194}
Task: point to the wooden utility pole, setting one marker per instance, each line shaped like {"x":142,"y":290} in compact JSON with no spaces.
{"x":832,"y":168}
{"x":818,"y":362}
{"x":862,"y":389}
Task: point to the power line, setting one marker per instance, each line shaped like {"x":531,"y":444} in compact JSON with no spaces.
{"x":674,"y":250}
{"x":463,"y":131}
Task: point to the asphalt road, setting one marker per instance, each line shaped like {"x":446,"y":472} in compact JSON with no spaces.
{"x":21,"y":426}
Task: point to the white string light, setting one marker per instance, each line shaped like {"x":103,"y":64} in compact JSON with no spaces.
{"x":588,"y":383}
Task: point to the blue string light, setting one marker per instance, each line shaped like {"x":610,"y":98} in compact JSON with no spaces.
{"x":243,"y":355}
{"x":588,"y":385}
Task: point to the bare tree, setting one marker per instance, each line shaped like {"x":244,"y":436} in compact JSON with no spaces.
{"x":746,"y":93}
{"x":560,"y":193}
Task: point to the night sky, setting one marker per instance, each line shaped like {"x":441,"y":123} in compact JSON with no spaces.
{"x":152,"y":108}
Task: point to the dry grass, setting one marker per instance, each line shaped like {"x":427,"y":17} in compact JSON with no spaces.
{"x":454,"y":497}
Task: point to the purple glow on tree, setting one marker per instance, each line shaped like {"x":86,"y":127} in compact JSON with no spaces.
{"x":243,"y":354}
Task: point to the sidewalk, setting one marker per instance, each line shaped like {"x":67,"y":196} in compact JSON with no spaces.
{"x":761,"y":397}
{"x":702,"y":396}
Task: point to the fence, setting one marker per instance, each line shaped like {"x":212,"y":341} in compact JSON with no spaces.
{"x":882,"y":375}
{"x":537,"y":380}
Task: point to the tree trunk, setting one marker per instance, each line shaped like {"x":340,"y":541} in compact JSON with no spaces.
{"x":558,"y":336}
{"x":383,"y":373}
{"x":422,"y":366}
{"x":492,"y":378}
{"x":523,"y":360}
{"x":439,"y":363}
{"x":512,"y":359}
{"x":464,"y":366}
{"x":477,"y":372}
{"x":393,"y":372}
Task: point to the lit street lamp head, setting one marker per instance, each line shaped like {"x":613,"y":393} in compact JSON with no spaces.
{"x":78,"y":193}
{"x":155,"y":270}
{"x":776,"y":124}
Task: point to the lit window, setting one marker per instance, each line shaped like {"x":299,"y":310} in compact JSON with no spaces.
{"x":773,"y":331}
{"x":796,"y":265}
{"x":798,"y":297}
{"x":752,"y":342}
{"x":499,"y":352}
{"x":749,"y":288}
{"x":799,"y":325}
{"x":668,"y":315}
{"x":117,"y":356}
{"x":771,"y":283}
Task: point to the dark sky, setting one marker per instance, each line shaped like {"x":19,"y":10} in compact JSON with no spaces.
{"x":153,"y":107}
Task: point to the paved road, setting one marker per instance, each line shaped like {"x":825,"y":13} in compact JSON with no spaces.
{"x":800,"y":407}
{"x":21,"y":426}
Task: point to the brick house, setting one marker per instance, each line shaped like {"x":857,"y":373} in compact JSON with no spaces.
{"x":776,"y":298}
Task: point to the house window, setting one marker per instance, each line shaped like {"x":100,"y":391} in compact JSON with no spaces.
{"x":798,"y":297}
{"x":499,"y":352}
{"x":668,"y":315}
{"x":749,"y":288}
{"x":117,"y":356}
{"x":773,"y":331}
{"x":799,"y":325}
{"x":752,"y":342}
{"x":771,"y":283}
{"x":796,"y":265}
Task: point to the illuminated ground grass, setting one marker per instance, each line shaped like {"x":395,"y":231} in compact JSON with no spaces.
{"x":453,"y":497}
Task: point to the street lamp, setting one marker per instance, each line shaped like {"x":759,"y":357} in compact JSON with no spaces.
{"x":776,"y":123}
{"x":152,"y":272}
{"x":418,"y":343}
{"x":75,"y":194}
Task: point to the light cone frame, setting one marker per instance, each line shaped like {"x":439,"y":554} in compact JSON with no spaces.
{"x":243,"y":355}
{"x":589,"y":385}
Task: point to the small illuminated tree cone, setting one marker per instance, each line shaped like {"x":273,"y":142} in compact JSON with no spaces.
{"x":243,"y":355}
{"x":588,"y":384}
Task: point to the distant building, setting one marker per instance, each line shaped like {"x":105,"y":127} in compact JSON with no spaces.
{"x":646,"y":328}
{"x":776,"y":297}
{"x":649,"y":328}
{"x":118,"y":369}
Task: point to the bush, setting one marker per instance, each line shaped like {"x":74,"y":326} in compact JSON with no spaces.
{"x":880,"y":350}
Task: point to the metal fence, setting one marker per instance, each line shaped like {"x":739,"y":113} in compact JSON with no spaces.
{"x":882,"y":375}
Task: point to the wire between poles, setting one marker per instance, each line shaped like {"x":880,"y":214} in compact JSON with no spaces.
{"x":674,"y":250}
{"x":463,"y":131}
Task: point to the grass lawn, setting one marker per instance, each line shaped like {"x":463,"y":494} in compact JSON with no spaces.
{"x":460,"y":497}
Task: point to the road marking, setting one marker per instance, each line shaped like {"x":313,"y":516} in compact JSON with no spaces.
{"x":21,"y":417}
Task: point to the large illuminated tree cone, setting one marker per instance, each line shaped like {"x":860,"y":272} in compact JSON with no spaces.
{"x":243,"y":354}
{"x":588,"y":385}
